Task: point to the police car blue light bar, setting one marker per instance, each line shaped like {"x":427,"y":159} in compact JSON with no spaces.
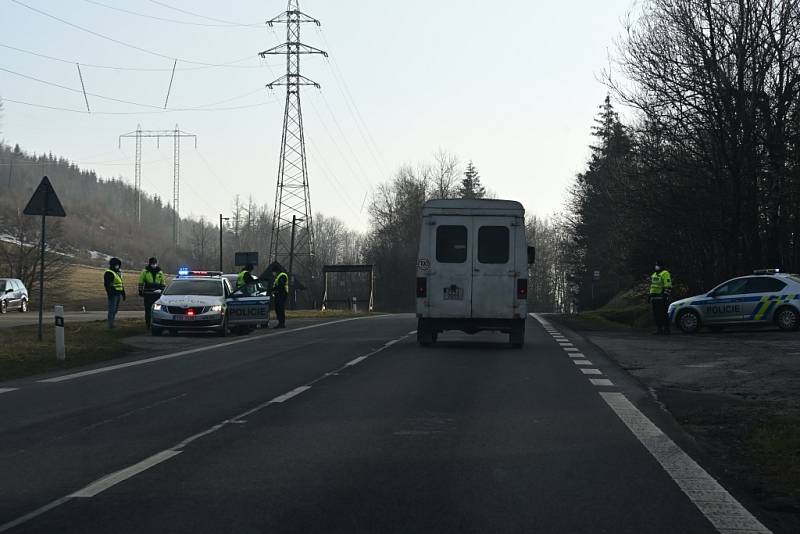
{"x":183,"y":271}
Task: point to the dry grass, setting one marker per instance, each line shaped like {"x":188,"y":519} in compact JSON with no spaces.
{"x":21,"y":354}
{"x":82,"y":286}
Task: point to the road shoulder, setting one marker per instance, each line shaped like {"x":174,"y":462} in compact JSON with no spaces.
{"x":731,"y":399}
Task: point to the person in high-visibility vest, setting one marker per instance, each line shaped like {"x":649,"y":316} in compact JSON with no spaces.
{"x":151,"y":282}
{"x":660,"y":291}
{"x":115,"y":289}
{"x":280,"y":292}
{"x":245,"y":276}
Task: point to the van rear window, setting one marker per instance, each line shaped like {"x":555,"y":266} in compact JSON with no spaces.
{"x":493,"y":244}
{"x":451,"y":244}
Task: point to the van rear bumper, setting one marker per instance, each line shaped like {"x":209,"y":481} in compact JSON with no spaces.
{"x":472,"y":325}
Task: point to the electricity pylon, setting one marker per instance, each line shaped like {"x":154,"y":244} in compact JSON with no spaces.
{"x":176,"y":136}
{"x":293,"y":244}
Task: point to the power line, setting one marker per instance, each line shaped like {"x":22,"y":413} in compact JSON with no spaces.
{"x":84,"y":92}
{"x":226,"y":22}
{"x":162,"y":19}
{"x":341,"y":82}
{"x":170,"y":110}
{"x":230,"y":65}
{"x":106,"y":37}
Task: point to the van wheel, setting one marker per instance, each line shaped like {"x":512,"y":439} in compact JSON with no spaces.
{"x":156,"y":331}
{"x":517,"y":336}
{"x":3,"y":306}
{"x":425,"y":335}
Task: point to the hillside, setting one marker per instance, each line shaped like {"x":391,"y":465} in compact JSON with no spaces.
{"x":100,"y":220}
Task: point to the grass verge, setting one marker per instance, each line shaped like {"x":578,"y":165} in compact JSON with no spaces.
{"x":21,"y":354}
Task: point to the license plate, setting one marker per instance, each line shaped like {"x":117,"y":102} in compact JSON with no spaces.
{"x":183,"y":317}
{"x":454,"y":293}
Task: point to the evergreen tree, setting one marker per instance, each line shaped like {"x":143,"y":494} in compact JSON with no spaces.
{"x":471,"y":184}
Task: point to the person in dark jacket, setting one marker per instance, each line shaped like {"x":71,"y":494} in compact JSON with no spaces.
{"x":115,"y":289}
{"x":151,"y":280}
{"x":280,"y":292}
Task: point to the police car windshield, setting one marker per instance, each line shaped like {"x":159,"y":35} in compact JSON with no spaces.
{"x":204,"y":288}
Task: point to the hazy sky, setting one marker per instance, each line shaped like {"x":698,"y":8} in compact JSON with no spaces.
{"x":512,"y":86}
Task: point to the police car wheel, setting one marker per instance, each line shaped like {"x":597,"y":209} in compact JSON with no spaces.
{"x":222,"y":332}
{"x":23,"y":307}
{"x":787,"y":319}
{"x":3,"y":306}
{"x":689,"y":322}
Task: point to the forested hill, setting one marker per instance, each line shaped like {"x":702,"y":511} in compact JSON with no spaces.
{"x":101,"y":219}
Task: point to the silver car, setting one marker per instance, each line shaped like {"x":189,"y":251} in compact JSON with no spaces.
{"x":205,"y":301}
{"x":768,"y":296}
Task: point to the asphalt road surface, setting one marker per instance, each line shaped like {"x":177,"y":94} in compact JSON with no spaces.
{"x":14,"y":318}
{"x":350,"y":426}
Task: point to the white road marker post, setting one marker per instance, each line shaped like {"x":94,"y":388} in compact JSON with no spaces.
{"x":355,"y":305}
{"x":61,"y":350}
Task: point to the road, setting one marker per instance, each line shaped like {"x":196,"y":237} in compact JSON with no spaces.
{"x":350,"y":426}
{"x":12,"y":318}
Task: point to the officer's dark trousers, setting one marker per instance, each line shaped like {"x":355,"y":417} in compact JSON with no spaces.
{"x":660,"y":314}
{"x":149,"y":300}
{"x":280,"y":309}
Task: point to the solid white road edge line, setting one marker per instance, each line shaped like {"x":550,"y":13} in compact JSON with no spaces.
{"x":207,"y":348}
{"x":723,"y":511}
{"x":123,"y":474}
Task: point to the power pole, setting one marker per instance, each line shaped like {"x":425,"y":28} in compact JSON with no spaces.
{"x":292,"y":196}
{"x":176,"y":136}
{"x":221,"y":221}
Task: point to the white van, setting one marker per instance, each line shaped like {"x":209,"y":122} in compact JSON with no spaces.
{"x":472,"y":268}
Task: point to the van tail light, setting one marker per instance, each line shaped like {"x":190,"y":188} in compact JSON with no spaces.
{"x":522,"y":288}
{"x":422,"y":288}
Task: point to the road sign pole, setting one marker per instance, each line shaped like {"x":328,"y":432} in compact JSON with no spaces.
{"x":41,"y":273}
{"x":44,"y":202}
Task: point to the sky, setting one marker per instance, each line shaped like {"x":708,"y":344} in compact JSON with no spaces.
{"x":512,"y":86}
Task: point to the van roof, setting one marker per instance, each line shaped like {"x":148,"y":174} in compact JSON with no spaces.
{"x":473,"y":204}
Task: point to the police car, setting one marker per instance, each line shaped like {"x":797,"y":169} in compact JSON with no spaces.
{"x":768,"y":296}
{"x":205,"y":301}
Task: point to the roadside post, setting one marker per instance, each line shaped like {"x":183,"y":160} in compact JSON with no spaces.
{"x":595,"y":278}
{"x":355,"y":305}
{"x":61,"y":350}
{"x":44,"y":202}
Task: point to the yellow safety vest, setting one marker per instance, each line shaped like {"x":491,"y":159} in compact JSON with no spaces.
{"x":158,"y":279}
{"x":240,"y":283}
{"x":660,"y":282}
{"x":117,"y":280}
{"x":285,"y":282}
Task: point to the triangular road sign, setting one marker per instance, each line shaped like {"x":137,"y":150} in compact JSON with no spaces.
{"x":45,"y":201}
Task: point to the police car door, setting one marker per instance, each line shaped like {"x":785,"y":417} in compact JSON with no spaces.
{"x":249,"y":306}
{"x":449,"y":279}
{"x":725,"y":304}
{"x":493,"y":274}
{"x":763,"y":293}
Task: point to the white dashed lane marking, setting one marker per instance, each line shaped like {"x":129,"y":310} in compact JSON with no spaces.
{"x":591,"y":371}
{"x":601,"y":382}
{"x":581,"y":362}
{"x":570,"y":349}
{"x":6,"y":390}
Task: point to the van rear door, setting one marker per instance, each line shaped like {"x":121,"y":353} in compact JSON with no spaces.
{"x":493,"y":267}
{"x":450,"y":285}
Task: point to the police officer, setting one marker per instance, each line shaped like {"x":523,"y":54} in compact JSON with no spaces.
{"x":245,"y":276}
{"x":660,"y":290}
{"x":280,"y":292}
{"x":115,"y":289}
{"x":151,"y":280}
